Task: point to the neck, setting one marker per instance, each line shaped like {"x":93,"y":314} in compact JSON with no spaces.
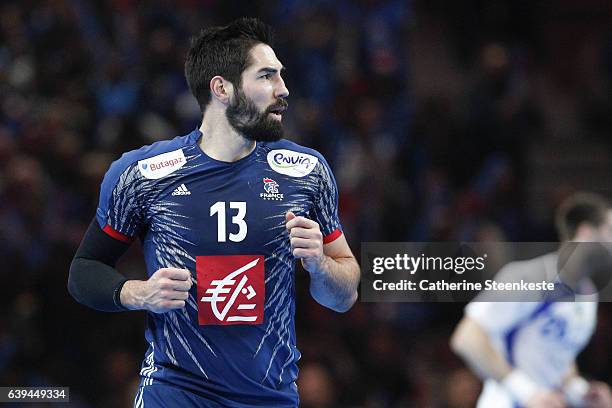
{"x":220,"y":140}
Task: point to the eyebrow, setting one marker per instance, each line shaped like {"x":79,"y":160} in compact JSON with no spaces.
{"x":270,"y":70}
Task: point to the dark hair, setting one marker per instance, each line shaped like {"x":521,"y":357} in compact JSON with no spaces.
{"x":580,"y":208}
{"x":222,"y":51}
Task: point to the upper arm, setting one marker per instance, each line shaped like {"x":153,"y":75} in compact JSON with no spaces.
{"x":98,"y":246}
{"x":326,"y":215}
{"x":325,"y":209}
{"x":120,"y":212}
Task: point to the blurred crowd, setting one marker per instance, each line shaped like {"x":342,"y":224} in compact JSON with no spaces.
{"x":425,"y":110}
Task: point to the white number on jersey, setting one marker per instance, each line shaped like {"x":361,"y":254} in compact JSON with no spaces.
{"x":238,"y":219}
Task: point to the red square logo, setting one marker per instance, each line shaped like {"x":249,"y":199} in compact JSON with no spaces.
{"x":231,"y":289}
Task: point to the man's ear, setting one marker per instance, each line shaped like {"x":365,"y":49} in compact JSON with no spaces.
{"x":221,"y":89}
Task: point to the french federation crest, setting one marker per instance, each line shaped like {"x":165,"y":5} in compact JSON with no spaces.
{"x":270,"y":186}
{"x":271,"y":190}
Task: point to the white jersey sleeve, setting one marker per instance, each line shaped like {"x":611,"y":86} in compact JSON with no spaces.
{"x":497,"y":318}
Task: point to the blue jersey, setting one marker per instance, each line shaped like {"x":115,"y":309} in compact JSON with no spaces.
{"x":234,"y":342}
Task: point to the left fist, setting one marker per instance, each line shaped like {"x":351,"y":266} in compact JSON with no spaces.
{"x":306,"y":241}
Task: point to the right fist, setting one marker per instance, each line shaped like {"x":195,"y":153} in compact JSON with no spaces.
{"x":165,"y":290}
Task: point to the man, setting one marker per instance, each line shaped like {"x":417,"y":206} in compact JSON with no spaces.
{"x":526,"y":351}
{"x":222,"y":213}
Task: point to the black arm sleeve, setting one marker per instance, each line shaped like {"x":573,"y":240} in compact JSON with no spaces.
{"x":93,"y":279}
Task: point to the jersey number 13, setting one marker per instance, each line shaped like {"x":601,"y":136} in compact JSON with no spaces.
{"x":238,"y":219}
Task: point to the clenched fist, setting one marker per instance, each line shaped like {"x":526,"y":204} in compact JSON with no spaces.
{"x":165,"y":290}
{"x":306,"y":241}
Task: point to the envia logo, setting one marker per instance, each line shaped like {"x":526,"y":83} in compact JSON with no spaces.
{"x":291,"y":163}
{"x":162,"y":165}
{"x":270,"y":190}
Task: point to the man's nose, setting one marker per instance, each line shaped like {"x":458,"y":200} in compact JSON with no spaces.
{"x":281,"y":89}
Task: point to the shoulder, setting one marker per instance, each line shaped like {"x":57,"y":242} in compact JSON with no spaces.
{"x":535,"y":269}
{"x":290,"y":145}
{"x":293,"y":159}
{"x":165,"y":150}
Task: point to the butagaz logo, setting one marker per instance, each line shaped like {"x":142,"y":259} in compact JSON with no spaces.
{"x":231,"y":289}
{"x":162,"y":165}
{"x":270,"y":190}
{"x":291,"y":163}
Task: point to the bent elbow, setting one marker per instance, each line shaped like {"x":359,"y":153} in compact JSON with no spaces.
{"x":467,"y":338}
{"x":346,"y":306}
{"x":457,"y":341}
{"x":454,"y":343}
{"x":72,"y":284}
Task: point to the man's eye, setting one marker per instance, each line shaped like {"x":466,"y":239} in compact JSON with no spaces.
{"x":267,"y":76}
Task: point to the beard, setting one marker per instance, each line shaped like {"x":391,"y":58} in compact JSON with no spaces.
{"x":245,"y":117}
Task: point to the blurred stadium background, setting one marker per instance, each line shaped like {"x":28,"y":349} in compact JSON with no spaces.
{"x":459,"y":120}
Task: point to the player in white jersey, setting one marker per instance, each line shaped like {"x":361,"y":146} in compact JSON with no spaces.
{"x":526,"y":351}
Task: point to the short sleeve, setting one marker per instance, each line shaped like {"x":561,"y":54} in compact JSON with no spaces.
{"x":501,"y":316}
{"x":120,"y":209}
{"x":497,"y":318}
{"x":325,"y":211}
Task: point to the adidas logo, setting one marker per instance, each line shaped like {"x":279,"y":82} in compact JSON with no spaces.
{"x":181,"y":190}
